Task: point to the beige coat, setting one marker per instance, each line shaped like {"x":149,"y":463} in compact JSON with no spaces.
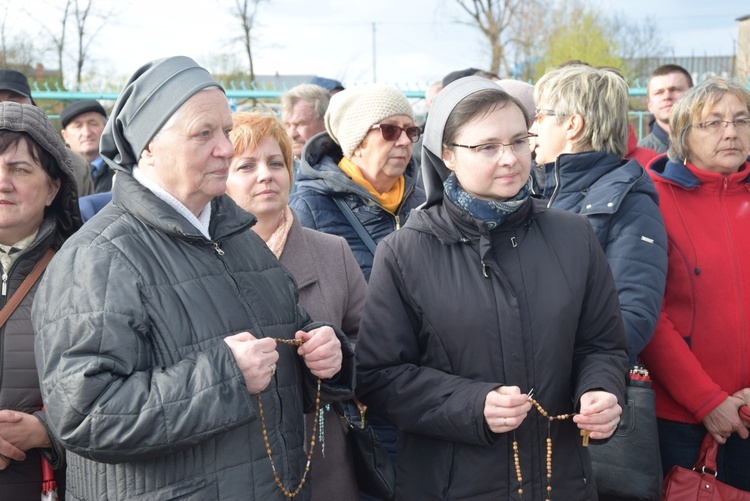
{"x":332,"y":289}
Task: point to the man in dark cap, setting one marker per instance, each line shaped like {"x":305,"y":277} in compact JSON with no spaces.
{"x":82,"y":126}
{"x":15,"y":87}
{"x":170,"y":347}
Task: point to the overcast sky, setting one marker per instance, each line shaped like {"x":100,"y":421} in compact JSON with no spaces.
{"x":415,"y":40}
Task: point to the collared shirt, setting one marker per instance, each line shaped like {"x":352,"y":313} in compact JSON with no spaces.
{"x":9,"y":253}
{"x":96,"y":165}
{"x":201,"y":223}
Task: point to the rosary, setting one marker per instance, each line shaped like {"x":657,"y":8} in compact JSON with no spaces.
{"x":279,"y":484}
{"x":516,"y":461}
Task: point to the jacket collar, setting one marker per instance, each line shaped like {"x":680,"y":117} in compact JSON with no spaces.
{"x":690,"y":177}
{"x":660,"y":133}
{"x":227,"y":218}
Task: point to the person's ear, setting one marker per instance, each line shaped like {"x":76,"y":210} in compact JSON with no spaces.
{"x":575,"y":127}
{"x":147,"y":155}
{"x":54,"y":187}
{"x":449,"y":158}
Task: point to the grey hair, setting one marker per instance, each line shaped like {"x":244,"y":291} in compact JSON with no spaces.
{"x":689,"y":109}
{"x":599,"y":95}
{"x":314,"y":94}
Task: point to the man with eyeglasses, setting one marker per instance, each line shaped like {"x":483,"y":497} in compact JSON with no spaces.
{"x":665,"y":86}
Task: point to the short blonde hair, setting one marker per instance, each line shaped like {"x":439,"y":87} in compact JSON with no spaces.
{"x":251,"y":128}
{"x":688,"y":110}
{"x":599,"y":95}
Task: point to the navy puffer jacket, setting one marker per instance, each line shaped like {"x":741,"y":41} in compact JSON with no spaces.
{"x":621,"y":203}
{"x":320,"y":179}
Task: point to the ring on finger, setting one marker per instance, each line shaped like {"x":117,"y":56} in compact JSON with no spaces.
{"x":273,"y":369}
{"x":613,"y":424}
{"x":505,"y":421}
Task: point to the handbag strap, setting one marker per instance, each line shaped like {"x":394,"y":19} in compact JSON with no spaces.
{"x":356,"y":224}
{"x":25,"y":286}
{"x":707,"y":457}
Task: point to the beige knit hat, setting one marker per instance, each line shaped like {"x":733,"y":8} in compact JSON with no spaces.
{"x":353,"y":111}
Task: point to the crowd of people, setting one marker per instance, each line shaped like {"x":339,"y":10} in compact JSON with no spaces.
{"x":195,"y":302}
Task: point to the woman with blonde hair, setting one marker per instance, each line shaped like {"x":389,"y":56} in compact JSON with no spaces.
{"x":582,"y":127}
{"x":331,"y":287}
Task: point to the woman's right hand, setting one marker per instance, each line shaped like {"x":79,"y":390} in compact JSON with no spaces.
{"x":256,"y":358}
{"x":725,"y":420}
{"x":505,"y":408}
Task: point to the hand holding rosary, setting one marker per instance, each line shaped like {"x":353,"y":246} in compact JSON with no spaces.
{"x":516,"y":458}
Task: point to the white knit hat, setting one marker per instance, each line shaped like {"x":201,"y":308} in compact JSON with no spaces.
{"x":353,"y":111}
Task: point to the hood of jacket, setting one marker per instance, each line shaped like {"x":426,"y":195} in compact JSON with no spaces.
{"x":319,"y":170}
{"x":678,"y":173}
{"x":595,"y":181}
{"x":31,"y":120}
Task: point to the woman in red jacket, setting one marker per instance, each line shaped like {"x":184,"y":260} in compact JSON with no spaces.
{"x":699,"y":356}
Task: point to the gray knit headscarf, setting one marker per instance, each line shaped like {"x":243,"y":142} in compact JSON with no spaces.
{"x":434,"y":171}
{"x":150,"y":97}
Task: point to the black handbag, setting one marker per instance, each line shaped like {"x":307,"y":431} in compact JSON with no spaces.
{"x":629,"y":465}
{"x":372,"y":465}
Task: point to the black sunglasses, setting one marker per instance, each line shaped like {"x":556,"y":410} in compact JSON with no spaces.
{"x":392,"y":132}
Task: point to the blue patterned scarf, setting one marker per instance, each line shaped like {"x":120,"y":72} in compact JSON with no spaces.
{"x":492,"y":214}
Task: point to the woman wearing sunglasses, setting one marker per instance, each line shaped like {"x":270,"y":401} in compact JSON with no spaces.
{"x":484,"y":296}
{"x":363,"y":160}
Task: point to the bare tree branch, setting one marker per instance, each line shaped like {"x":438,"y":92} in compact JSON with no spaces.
{"x":500,"y":21}
{"x":245,"y":11}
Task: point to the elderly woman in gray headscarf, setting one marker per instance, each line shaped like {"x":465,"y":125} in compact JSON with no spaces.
{"x":173,"y":358}
{"x":483,"y":304}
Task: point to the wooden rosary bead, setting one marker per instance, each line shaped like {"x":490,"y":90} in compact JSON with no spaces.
{"x":279,"y":484}
{"x":516,"y":456}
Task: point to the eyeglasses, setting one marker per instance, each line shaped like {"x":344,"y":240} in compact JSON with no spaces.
{"x":716,"y":125}
{"x":520,"y":146}
{"x":392,"y":132}
{"x":539,"y":113}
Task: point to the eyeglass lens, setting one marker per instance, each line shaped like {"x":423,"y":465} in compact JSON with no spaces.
{"x":392,"y":132}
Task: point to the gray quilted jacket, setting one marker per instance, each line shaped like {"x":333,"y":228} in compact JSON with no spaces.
{"x":140,"y":386}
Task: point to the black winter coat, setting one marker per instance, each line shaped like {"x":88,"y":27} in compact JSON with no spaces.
{"x":320,"y":179}
{"x":454,"y":311}
{"x":139,"y":384}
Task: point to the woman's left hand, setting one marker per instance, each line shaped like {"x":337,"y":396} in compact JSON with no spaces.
{"x":321,"y":351}
{"x":21,"y":430}
{"x":599,"y":414}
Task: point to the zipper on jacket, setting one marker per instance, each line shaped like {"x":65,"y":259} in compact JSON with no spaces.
{"x":218,"y":249}
{"x":513,"y":242}
{"x":5,"y":284}
{"x":484,"y":269}
{"x":557,"y":183}
{"x":398,"y":221}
